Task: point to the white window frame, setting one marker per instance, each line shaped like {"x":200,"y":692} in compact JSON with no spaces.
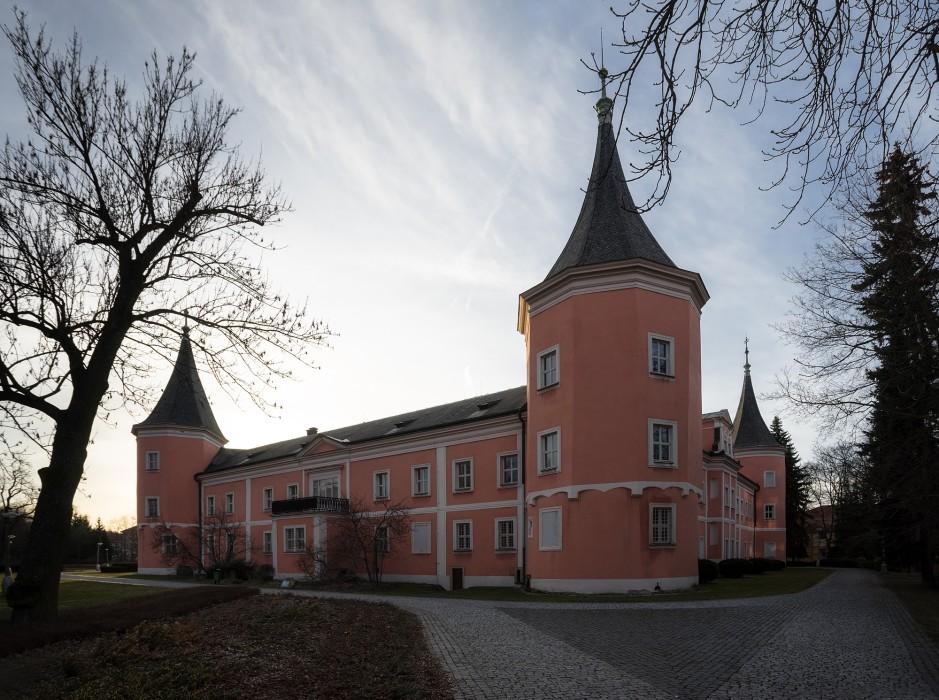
{"x":229,"y":504}
{"x":210,"y":505}
{"x":424,"y":527}
{"x":657,"y":540}
{"x":294,"y":539}
{"x":672,"y":461}
{"x":542,"y":453}
{"x":769,"y":511}
{"x":381,"y":478}
{"x":267,"y":542}
{"x":505,"y":541}
{"x":769,"y":550}
{"x":548,"y":378}
{"x":317,"y":481}
{"x":267,"y":497}
{"x":416,"y":490}
{"x":462,"y":482}
{"x":457,"y":537}
{"x":168,"y":543}
{"x":382,"y":540}
{"x":500,"y":468}
{"x":654,"y":369}
{"x":152,"y":462}
{"x":769,"y":479}
{"x":293,"y":492}
{"x":151,"y":506}
{"x":549,"y":547}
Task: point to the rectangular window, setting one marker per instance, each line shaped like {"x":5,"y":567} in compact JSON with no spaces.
{"x":420,"y":538}
{"x":325,"y":487}
{"x":267,"y":498}
{"x":662,"y":443}
{"x":463,"y":536}
{"x":293,"y":491}
{"x":508,"y":470}
{"x":661,"y":358}
{"x":505,"y":534}
{"x":382,"y":545}
{"x":548,"y":371}
{"x":769,"y":550}
{"x":662,"y":525}
{"x":268,"y":543}
{"x":463,"y":475}
{"x":169,"y":544}
{"x":152,"y":506}
{"x":382,"y":488}
{"x":769,"y":511}
{"x":229,"y":503}
{"x":210,"y":505}
{"x":153,"y":461}
{"x":420,"y":480}
{"x":769,"y":480}
{"x":549,"y":451}
{"x":294,"y":539}
{"x":549,"y":528}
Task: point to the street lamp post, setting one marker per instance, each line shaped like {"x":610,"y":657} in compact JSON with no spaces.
{"x":98,"y":557}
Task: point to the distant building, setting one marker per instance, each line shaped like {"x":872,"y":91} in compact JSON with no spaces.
{"x":600,"y":474}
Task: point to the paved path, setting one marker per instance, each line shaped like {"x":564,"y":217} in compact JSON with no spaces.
{"x":847,"y":637}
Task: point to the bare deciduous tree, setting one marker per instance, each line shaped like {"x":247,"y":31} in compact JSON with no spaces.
{"x":219,"y":543}
{"x":122,"y":220}
{"x":18,"y":491}
{"x":358,"y":539}
{"x":839,"y":81}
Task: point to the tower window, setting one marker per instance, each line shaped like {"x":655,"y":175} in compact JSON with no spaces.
{"x":549,"y":451}
{"x":153,"y":461}
{"x":663,"y":447}
{"x":548,"y":368}
{"x":661,"y":355}
{"x":662,"y":525}
{"x":152,"y":506}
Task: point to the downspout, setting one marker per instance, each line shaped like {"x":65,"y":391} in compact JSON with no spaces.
{"x":523,"y":534}
{"x":199,"y":495}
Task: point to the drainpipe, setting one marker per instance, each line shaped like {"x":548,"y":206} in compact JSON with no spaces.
{"x":523,"y":530}
{"x":200,"y":496}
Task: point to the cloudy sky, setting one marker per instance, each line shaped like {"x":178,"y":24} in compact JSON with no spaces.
{"x":435,"y":154}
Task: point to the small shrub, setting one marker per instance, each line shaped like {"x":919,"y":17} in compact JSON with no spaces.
{"x":264,"y":572}
{"x":707,"y":570}
{"x":759,"y":565}
{"x":735,"y":568}
{"x":121,"y":567}
{"x":778,"y":564}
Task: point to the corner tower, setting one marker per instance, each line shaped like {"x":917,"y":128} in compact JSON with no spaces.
{"x":175,"y":442}
{"x":764,"y":462}
{"x":614,"y":400}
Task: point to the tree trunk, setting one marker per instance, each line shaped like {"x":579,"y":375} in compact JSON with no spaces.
{"x":34,"y":596}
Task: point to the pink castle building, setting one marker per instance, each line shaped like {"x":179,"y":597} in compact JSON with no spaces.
{"x":599,"y":475}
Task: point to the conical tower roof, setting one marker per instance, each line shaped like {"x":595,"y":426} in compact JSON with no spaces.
{"x":749,"y":427}
{"x":609,"y":228}
{"x":184,"y":403}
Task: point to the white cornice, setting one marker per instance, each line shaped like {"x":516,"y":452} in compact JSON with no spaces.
{"x":635,"y":488}
{"x":180,"y":432}
{"x":635,"y":273}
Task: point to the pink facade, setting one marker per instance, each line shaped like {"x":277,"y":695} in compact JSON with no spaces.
{"x":598,"y":475}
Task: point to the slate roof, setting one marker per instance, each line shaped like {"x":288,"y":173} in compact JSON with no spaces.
{"x":184,"y":402}
{"x":609,"y":228}
{"x":501,"y":403}
{"x":749,"y":427}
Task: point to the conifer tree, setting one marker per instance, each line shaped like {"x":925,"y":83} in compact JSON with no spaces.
{"x":797,"y":493}
{"x":899,"y":287}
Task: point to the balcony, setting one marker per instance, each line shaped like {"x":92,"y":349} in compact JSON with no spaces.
{"x":310,"y":504}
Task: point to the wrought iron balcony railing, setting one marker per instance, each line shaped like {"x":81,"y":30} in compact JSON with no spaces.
{"x":310,"y":504}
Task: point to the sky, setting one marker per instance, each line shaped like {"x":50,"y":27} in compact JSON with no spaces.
{"x":435,"y":154}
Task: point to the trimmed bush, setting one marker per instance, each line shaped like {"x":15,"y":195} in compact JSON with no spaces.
{"x":707,"y":570}
{"x":778,"y":564}
{"x":759,"y":565}
{"x":735,"y":568}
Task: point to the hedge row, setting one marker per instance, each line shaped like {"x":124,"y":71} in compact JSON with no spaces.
{"x":735,"y":568}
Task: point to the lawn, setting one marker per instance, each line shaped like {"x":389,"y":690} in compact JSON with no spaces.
{"x":74,"y":594}
{"x":922,"y":603}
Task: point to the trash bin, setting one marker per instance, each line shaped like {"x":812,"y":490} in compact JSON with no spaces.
{"x":217,"y":576}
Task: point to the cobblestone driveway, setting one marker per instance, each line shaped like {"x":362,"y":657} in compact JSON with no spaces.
{"x":846,"y":638}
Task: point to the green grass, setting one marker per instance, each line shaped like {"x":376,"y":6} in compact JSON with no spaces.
{"x":768,"y":584}
{"x":80,"y":594}
{"x":922,"y":603}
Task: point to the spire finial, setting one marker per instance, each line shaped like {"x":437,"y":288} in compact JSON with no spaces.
{"x":746,"y":355}
{"x":186,"y":323}
{"x":604,"y":105}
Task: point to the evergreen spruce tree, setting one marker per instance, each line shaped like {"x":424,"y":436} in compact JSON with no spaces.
{"x":899,"y":287}
{"x":797,"y":493}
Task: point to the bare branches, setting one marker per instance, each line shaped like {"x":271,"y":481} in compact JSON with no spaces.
{"x":838,"y":81}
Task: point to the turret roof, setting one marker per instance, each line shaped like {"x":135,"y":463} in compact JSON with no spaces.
{"x":184,"y":402}
{"x":609,"y":227}
{"x":749,"y":427}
